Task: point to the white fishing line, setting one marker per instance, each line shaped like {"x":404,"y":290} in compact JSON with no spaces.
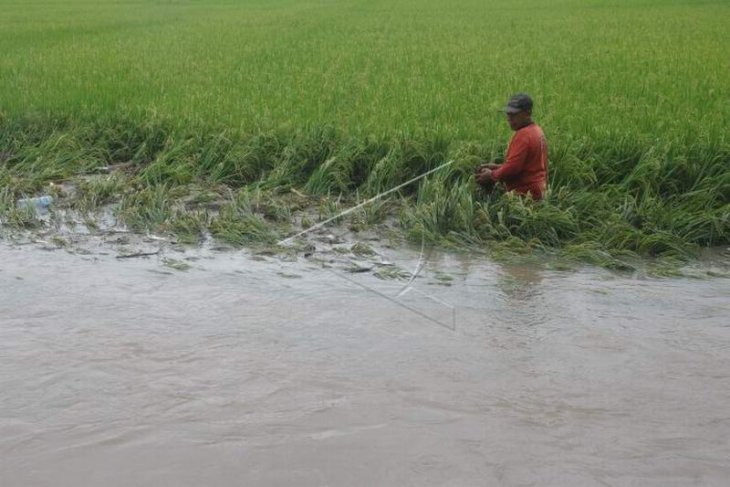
{"x":417,"y":311}
{"x":414,"y":274}
{"x":366,"y":202}
{"x":419,"y":266}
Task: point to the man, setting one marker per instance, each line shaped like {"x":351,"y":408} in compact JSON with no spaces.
{"x":525,"y":166}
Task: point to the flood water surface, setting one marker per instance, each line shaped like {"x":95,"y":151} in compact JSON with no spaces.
{"x":246,"y":372}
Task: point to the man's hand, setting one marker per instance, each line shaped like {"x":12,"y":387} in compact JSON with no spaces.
{"x":488,"y":165}
{"x":483,"y":175}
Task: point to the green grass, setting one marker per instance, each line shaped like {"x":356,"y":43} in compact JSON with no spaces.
{"x":341,"y":100}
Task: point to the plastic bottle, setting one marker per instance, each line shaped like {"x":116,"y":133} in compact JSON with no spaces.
{"x":39,"y":203}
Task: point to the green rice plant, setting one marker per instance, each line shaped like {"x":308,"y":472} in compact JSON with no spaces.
{"x":362,"y":250}
{"x":330,"y":208}
{"x":373,"y":213}
{"x":442,"y":207}
{"x":238,"y":224}
{"x":189,"y":227}
{"x":238,"y":162}
{"x":527,"y":219}
{"x":406,"y":159}
{"x":173,"y":164}
{"x":348,"y":168}
{"x":95,"y":192}
{"x":13,"y":217}
{"x":594,"y":253}
{"x":303,"y":153}
{"x":58,"y":157}
{"x":149,"y":209}
{"x":569,"y":170}
{"x":512,"y":249}
{"x":127,"y":140}
{"x":469,"y":155}
{"x":265,"y":204}
{"x":16,"y":186}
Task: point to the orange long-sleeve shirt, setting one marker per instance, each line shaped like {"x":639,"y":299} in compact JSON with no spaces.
{"x":526,"y":164}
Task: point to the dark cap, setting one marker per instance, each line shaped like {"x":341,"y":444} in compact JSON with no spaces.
{"x":521,"y":102}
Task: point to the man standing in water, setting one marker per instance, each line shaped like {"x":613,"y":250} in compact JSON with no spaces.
{"x":524,"y":170}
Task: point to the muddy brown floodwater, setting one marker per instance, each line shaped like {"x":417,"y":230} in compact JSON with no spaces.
{"x":241,"y":371}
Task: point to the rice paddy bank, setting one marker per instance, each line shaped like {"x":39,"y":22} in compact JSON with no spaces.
{"x":250,"y":120}
{"x":609,"y":202}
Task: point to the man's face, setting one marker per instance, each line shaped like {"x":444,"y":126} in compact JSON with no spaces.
{"x":518,"y":120}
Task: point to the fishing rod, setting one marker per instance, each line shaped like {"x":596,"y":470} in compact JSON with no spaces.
{"x":419,"y":266}
{"x":366,"y":202}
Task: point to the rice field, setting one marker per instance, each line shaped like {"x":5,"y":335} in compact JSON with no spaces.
{"x":338,"y":100}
